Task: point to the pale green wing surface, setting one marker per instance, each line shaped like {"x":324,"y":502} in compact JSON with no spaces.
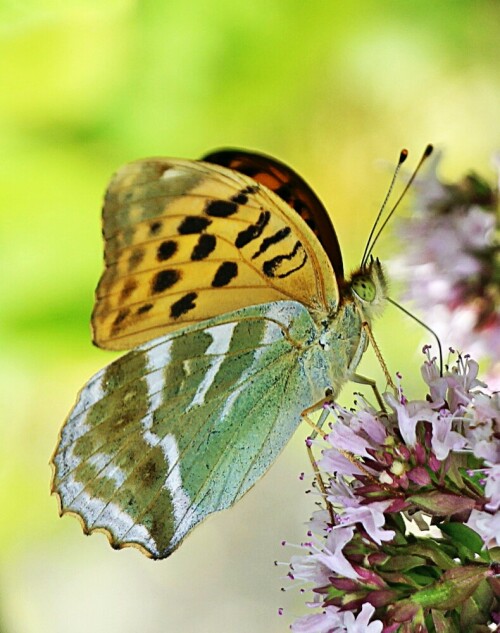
{"x":185,"y":425}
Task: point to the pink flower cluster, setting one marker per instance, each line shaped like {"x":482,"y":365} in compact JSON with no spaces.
{"x":432,"y":463}
{"x":450,"y":262}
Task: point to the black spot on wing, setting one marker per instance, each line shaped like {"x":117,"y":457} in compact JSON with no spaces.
{"x":250,"y":189}
{"x":193,"y":224}
{"x":271,"y":267}
{"x":221,"y":208}
{"x":205,"y":245}
{"x":166,"y":250}
{"x":239,"y":198}
{"x":272,"y":239}
{"x":253,"y":231}
{"x":165,"y":279}
{"x":135,"y":258}
{"x":242,"y":196}
{"x":155,"y":228}
{"x":183,"y":305}
{"x":224,"y":274}
{"x":128,"y":288}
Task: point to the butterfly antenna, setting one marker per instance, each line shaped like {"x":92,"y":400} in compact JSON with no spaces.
{"x":402,"y":157}
{"x":425,"y":326}
{"x":427,"y":152}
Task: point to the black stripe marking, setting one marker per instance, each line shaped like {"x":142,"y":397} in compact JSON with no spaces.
{"x":271,"y":266}
{"x":166,"y":250}
{"x":165,"y":279}
{"x":220,"y":208}
{"x":272,"y":239}
{"x":144,"y":308}
{"x":250,"y":189}
{"x":253,"y":231}
{"x":193,"y":224}
{"x":206,"y":245}
{"x":224,"y":274}
{"x":120,"y":317}
{"x":183,"y":305}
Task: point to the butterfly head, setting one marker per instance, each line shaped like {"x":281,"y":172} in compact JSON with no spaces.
{"x":369,"y":289}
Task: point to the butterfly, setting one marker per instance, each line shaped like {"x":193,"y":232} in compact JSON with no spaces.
{"x":225,"y":277}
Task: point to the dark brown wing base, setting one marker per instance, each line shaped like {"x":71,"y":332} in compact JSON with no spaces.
{"x":291,"y":188}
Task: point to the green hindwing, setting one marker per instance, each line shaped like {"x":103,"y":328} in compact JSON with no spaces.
{"x":185,"y":424}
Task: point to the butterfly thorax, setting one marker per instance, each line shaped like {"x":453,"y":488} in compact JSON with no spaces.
{"x":342,"y":336}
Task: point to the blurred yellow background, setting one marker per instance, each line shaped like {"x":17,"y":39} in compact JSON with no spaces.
{"x":335,"y":89}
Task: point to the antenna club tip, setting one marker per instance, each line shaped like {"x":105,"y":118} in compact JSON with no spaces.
{"x":403,"y":156}
{"x":428,"y":150}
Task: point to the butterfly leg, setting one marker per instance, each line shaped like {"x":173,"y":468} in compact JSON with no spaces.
{"x":317,"y":430}
{"x":317,"y":426}
{"x":380,"y":358}
{"x":362,"y":380}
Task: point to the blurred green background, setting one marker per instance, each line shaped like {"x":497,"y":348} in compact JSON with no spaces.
{"x":335,"y":89}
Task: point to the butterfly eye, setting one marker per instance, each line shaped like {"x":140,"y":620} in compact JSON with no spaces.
{"x":364,"y":288}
